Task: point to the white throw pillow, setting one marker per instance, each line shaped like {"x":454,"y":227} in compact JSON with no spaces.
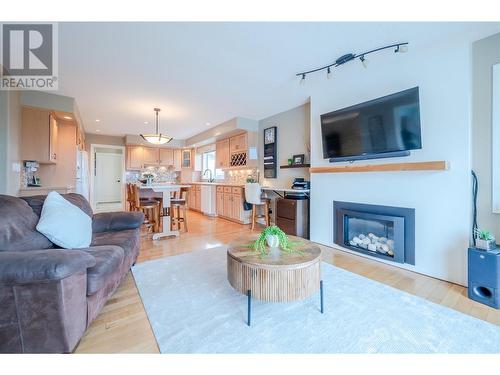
{"x":64,"y":224}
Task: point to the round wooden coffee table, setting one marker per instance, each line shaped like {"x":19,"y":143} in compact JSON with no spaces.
{"x":275,"y":278}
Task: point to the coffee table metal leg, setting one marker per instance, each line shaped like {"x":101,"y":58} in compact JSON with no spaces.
{"x":249,"y":311}
{"x":321,"y":295}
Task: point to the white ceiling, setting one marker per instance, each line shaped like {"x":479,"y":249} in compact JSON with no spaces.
{"x":200,"y":73}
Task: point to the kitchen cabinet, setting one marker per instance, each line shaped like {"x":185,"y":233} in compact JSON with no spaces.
{"x":220,"y":201}
{"x":238,"y":143}
{"x":236,"y":203}
{"x":222,"y":155}
{"x":192,"y":197}
{"x":187,"y":160}
{"x":134,"y":157}
{"x":227,"y":204}
{"x":39,"y":136}
{"x":140,"y":156}
{"x":177,"y":159}
{"x":232,"y":152}
{"x":166,"y":157}
{"x":198,"y":198}
{"x":230,"y":204}
{"x":150,"y":156}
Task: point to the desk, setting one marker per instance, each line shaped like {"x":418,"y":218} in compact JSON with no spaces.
{"x":165,"y":189}
{"x":277,"y":190}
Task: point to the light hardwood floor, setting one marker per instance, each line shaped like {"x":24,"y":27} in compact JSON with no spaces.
{"x":123,"y":326}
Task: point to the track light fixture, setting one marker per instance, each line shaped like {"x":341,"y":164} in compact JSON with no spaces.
{"x":303,"y":80}
{"x":364,"y":62}
{"x":398,"y":48}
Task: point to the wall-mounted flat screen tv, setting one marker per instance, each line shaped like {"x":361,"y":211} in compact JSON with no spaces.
{"x":383,"y":127}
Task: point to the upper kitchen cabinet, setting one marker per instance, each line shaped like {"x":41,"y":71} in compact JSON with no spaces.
{"x":238,"y":143}
{"x":236,"y":151}
{"x":39,"y":135}
{"x":150,"y":156}
{"x":139,"y":157}
{"x":177,"y":159}
{"x":222,"y":154}
{"x":134,"y":157}
{"x":166,"y":157}
{"x":187,"y":159}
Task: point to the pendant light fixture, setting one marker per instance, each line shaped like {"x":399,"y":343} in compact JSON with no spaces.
{"x":157,"y":138}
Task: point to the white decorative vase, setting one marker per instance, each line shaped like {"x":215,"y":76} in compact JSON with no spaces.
{"x":273,"y":241}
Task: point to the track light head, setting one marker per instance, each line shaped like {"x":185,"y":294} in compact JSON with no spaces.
{"x":329,"y":73}
{"x":402,"y":48}
{"x":303,"y":80}
{"x":364,"y":62}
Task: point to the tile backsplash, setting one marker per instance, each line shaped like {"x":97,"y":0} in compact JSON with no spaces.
{"x":161,"y":174}
{"x":240,"y":175}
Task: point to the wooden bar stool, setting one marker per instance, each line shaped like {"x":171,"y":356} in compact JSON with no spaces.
{"x":176,"y":204}
{"x":253,"y":195}
{"x":150,"y":208}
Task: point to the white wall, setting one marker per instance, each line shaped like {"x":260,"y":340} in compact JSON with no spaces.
{"x":441,"y":199}
{"x":293,"y":130}
{"x":10,"y":151}
{"x":485,"y":54}
{"x":4,"y":103}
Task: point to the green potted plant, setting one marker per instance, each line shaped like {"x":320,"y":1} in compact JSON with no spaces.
{"x":275,"y":239}
{"x":484,"y":239}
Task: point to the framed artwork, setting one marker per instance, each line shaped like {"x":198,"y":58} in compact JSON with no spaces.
{"x":270,"y":135}
{"x":298,"y":159}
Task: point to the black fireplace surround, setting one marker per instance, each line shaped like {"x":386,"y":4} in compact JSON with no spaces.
{"x":384,"y":232}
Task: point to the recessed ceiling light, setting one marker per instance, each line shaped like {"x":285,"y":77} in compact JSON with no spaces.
{"x":97,"y":120}
{"x":208,"y":124}
{"x":97,"y":130}
{"x":68,"y":118}
{"x":145,"y":122}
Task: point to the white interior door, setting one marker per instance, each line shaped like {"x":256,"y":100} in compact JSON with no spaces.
{"x":108,"y":177}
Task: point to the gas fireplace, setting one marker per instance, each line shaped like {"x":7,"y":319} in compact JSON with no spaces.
{"x":381,"y":231}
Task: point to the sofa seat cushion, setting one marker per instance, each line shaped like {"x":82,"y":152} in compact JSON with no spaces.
{"x":126,"y":239}
{"x":109,"y":260}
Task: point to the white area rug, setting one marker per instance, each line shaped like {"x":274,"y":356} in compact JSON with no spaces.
{"x":193,"y":309}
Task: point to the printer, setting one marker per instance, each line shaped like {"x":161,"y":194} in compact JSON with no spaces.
{"x":298,"y":185}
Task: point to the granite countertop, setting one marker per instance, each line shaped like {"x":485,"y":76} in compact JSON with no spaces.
{"x":217,"y":183}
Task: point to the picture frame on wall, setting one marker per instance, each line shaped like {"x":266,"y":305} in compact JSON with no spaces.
{"x":298,"y":159}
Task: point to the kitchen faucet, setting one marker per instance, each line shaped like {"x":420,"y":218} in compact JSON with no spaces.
{"x":210,"y":179}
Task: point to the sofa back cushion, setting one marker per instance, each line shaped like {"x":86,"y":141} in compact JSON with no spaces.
{"x":36,"y":202}
{"x":17,"y":226}
{"x":64,"y":224}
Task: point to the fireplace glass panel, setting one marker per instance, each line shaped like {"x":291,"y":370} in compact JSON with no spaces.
{"x":372,"y":235}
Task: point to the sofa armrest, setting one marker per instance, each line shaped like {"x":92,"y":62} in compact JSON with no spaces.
{"x":41,"y":266}
{"x":114,"y":221}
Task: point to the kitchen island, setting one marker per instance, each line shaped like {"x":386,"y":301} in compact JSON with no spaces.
{"x":165,"y":189}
